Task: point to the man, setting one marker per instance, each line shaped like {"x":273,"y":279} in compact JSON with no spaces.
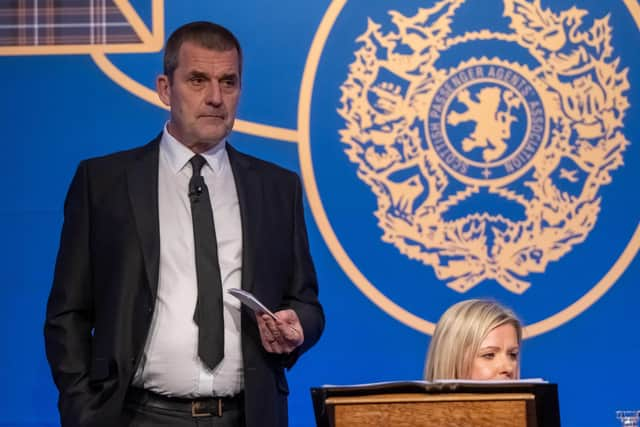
{"x":140,"y":329}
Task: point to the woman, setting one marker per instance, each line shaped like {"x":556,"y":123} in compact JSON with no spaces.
{"x":475,"y":340}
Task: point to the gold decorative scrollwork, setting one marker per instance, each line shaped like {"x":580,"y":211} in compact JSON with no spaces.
{"x":540,"y":140}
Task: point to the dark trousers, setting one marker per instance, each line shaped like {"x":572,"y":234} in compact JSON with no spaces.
{"x":144,"y":409}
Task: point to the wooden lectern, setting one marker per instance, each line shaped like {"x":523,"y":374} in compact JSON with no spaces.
{"x":418,"y":403}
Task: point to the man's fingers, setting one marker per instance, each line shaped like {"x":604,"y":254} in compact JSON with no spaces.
{"x":280,"y":336}
{"x":266,"y":334}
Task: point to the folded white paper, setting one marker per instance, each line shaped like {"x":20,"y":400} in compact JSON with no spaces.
{"x":252,"y":302}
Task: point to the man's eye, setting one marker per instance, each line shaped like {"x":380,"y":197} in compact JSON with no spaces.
{"x":196,"y":80}
{"x":228,"y":83}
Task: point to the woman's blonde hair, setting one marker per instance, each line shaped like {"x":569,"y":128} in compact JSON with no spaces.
{"x":459,"y":334}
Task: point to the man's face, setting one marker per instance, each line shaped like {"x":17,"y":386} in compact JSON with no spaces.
{"x":202,"y":94}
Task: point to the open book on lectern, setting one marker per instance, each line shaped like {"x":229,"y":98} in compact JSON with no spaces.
{"x":422,"y":385}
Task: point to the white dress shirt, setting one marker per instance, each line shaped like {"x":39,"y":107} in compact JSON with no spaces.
{"x":171,"y":365}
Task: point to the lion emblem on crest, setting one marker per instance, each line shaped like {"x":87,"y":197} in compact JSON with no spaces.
{"x":533,"y":141}
{"x":492,"y":126}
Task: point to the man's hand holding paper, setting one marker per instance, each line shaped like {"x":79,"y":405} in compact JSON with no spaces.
{"x":280,"y":332}
{"x":282,"y":335}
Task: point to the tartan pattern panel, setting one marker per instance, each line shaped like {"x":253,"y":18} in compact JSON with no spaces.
{"x":63,"y":22}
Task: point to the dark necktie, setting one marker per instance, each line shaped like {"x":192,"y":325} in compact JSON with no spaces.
{"x":208,"y":313}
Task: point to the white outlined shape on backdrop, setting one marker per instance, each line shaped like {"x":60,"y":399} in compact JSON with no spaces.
{"x":152,"y":41}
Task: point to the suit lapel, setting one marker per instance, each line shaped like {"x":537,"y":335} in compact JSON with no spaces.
{"x":249,"y":189}
{"x":142,"y":178}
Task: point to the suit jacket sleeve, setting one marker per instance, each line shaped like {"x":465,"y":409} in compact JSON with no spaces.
{"x":303,"y":295}
{"x":69,"y":317}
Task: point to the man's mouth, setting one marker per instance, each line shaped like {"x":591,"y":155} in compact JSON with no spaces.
{"x":212,"y":116}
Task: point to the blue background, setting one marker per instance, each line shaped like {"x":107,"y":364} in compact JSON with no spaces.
{"x":57,"y":110}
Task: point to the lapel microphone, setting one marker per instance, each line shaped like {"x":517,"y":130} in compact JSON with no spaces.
{"x":195,"y":189}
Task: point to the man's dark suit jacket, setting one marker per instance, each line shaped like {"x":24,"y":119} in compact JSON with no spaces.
{"x":106,"y":277}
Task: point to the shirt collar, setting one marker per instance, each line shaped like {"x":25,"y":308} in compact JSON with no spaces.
{"x":178,"y":155}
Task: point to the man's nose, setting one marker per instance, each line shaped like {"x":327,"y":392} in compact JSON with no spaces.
{"x":214,"y":94}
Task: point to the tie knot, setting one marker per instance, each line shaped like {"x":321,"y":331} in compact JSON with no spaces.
{"x":197,"y":162}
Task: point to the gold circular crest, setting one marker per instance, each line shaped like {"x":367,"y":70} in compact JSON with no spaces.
{"x":487,"y":125}
{"x":490,"y":93}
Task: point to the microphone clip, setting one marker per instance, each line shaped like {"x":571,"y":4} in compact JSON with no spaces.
{"x":195,"y":192}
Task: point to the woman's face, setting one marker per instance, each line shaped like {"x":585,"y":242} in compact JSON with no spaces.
{"x":498,"y":355}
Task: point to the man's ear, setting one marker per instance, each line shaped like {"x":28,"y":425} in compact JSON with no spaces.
{"x":163,"y":89}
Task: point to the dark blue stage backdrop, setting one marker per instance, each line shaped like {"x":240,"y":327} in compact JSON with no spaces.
{"x":449,"y":149}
